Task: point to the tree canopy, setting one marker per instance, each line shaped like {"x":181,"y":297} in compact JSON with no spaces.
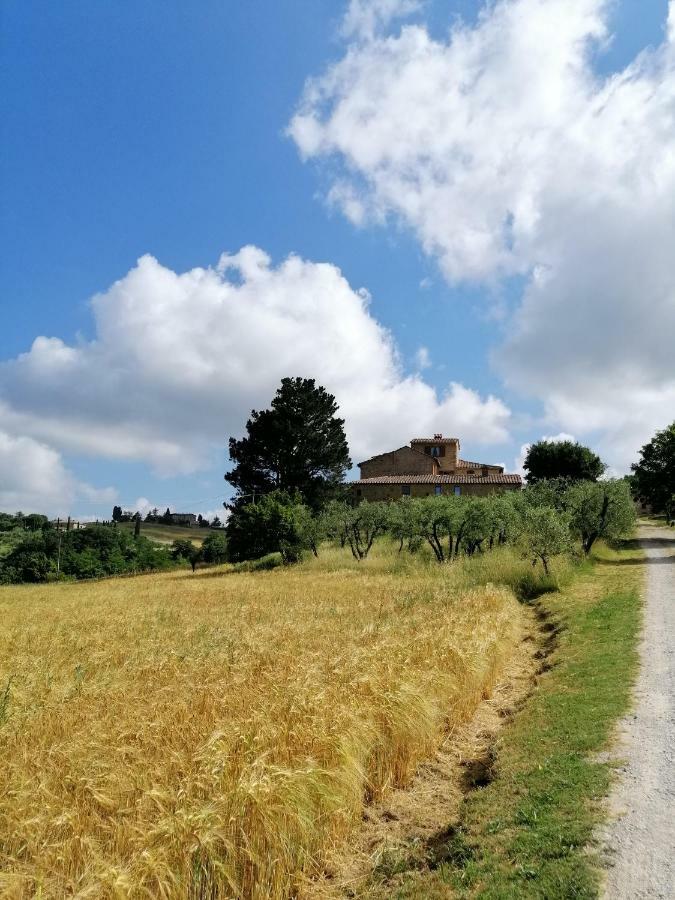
{"x":603,"y":510}
{"x":298,"y":445}
{"x":562,"y":459}
{"x":96,"y":551}
{"x":274,"y":524}
{"x":654,"y":473}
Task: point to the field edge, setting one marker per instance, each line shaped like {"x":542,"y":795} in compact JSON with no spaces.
{"x":531,"y":831}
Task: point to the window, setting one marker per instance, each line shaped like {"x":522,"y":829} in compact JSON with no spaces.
{"x":358,"y":492}
{"x":438,"y":489}
{"x":458,"y":490}
{"x":436,"y":451}
{"x":405,"y":490}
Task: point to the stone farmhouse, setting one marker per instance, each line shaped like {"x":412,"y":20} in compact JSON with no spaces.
{"x":185,"y":519}
{"x":429,"y":466}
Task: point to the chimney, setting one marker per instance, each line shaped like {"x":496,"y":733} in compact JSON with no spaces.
{"x":438,"y":437}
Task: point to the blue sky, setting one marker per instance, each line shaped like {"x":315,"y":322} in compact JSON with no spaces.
{"x":162,"y":129}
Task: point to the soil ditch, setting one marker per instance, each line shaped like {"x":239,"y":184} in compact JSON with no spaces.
{"x":417,"y":828}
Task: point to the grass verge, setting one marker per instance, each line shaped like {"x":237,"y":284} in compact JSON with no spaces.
{"x":527,"y":832}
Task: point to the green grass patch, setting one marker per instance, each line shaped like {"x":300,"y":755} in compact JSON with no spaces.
{"x":527,"y":833}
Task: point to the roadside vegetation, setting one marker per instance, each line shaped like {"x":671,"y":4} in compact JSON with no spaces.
{"x":653,"y":478}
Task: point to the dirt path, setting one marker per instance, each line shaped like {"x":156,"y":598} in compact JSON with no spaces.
{"x":640,"y":842}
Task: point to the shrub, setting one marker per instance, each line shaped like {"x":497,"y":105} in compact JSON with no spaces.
{"x":214,"y":549}
{"x":276,"y":523}
{"x":183,"y":550}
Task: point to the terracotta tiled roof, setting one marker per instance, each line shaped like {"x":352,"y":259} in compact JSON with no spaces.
{"x":435,"y":440}
{"x":468,"y":464}
{"x":441,"y":479}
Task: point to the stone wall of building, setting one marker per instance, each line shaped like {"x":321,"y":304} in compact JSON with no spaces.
{"x":404,"y":461}
{"x":479,"y":469}
{"x":448,"y":455}
{"x":373,"y":492}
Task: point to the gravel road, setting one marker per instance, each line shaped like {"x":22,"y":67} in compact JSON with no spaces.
{"x":640,"y":841}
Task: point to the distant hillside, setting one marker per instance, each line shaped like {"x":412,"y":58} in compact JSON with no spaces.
{"x":166,"y":534}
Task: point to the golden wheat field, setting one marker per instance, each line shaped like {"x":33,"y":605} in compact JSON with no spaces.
{"x":214,"y":735}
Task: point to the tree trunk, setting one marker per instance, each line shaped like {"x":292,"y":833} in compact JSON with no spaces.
{"x":348,"y":538}
{"x":439,"y":546}
{"x":588,"y":542}
{"x":370,"y":542}
{"x":433,"y":546}
{"x":458,"y":541}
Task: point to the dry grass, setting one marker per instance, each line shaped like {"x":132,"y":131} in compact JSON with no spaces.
{"x":215,"y":735}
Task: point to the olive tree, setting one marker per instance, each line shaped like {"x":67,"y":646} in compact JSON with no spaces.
{"x":364,"y":523}
{"x":601,"y":509}
{"x":545,"y":534}
{"x":404,"y":523}
{"x":477,"y":524}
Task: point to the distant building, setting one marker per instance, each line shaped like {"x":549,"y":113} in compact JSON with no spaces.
{"x":429,"y":466}
{"x":188,"y":519}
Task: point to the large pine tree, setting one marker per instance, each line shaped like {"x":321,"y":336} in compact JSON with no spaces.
{"x":298,"y":445}
{"x":561,"y":459}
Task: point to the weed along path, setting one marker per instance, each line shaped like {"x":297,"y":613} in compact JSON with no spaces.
{"x":641,"y":840}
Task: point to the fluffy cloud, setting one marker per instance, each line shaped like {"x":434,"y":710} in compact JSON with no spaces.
{"x":33,"y":478}
{"x":507,"y":155}
{"x":179,"y":360}
{"x":423,"y":358}
{"x":366,"y":18}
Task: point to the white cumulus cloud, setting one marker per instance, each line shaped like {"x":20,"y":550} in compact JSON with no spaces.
{"x":423,"y":358}
{"x":34,"y":478}
{"x":366,"y":18}
{"x":506,"y":154}
{"x":179,"y":359}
